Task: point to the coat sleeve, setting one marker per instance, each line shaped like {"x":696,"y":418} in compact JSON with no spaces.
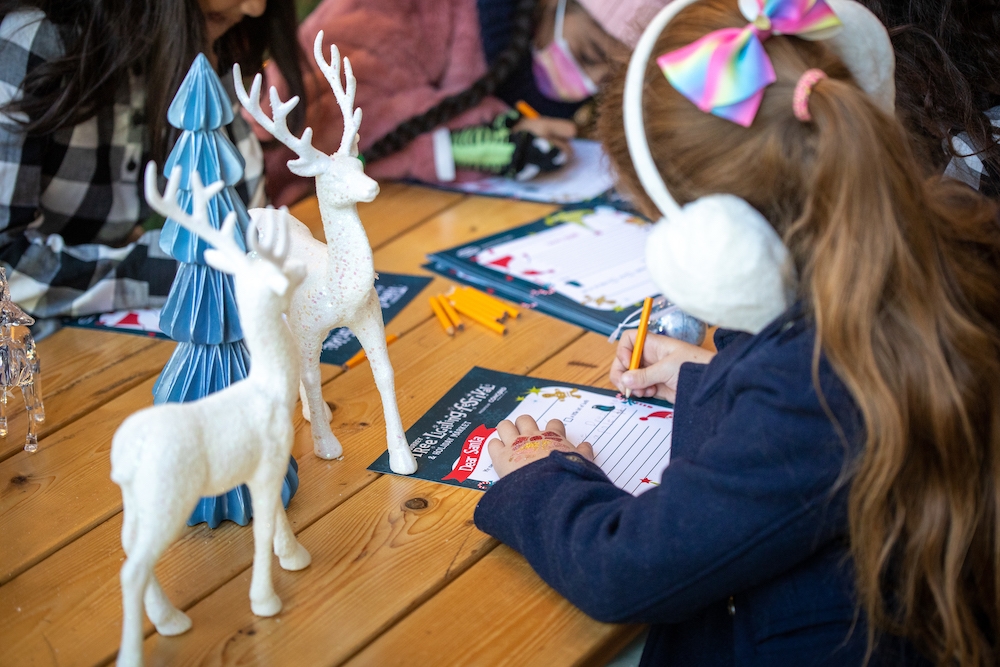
{"x":51,"y":274}
{"x":755,"y":500}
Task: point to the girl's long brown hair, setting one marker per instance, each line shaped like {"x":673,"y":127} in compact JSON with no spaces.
{"x":902,"y":280}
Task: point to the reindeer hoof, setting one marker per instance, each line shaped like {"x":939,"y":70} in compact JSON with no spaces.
{"x":299,"y":560}
{"x":328,"y":451}
{"x":402,"y":463}
{"x":176,"y":622}
{"x":269,"y":606}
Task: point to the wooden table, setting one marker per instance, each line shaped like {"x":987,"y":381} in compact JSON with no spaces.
{"x":400,"y":575}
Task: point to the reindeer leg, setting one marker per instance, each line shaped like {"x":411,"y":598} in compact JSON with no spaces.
{"x":325,"y":443}
{"x":370,"y":330}
{"x":144,"y":543}
{"x":304,"y":397}
{"x":265,"y":496}
{"x":133,"y":581}
{"x":134,"y":576}
{"x":292,"y":556}
{"x":168,"y":619}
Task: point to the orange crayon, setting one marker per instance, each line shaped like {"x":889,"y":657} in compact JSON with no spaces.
{"x":527,"y":110}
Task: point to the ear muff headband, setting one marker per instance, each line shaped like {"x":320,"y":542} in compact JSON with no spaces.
{"x":863,"y":45}
{"x":635,"y":128}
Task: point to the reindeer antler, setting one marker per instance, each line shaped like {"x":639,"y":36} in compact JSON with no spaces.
{"x":196,"y":222}
{"x":271,"y":242}
{"x":311,"y":160}
{"x":345,"y":98}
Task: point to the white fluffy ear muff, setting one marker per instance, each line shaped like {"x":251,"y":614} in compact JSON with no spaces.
{"x":865,"y":48}
{"x":718,"y":258}
{"x":722,"y":262}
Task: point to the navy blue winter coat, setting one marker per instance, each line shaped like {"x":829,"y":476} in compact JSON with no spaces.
{"x":740,"y":556}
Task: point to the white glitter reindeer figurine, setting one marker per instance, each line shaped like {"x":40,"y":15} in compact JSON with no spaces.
{"x":19,"y":365}
{"x":339,"y":289}
{"x":167,"y":456}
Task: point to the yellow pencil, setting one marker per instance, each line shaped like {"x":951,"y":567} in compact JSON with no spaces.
{"x":464,"y":305}
{"x":485,"y":308}
{"x":442,"y":316}
{"x":360,"y":356}
{"x":492,"y":301}
{"x":456,"y":321}
{"x":527,"y":110}
{"x":640,"y":338}
{"x":477,"y":316}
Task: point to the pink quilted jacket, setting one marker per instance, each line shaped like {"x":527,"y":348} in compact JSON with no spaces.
{"x":407,"y":56}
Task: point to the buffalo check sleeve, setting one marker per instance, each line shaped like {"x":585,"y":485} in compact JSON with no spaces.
{"x":69,"y":200}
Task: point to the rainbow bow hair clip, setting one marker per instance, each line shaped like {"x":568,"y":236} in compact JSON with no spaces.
{"x":725,"y":72}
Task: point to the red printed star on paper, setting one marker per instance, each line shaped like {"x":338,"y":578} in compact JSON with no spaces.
{"x":646,"y":480}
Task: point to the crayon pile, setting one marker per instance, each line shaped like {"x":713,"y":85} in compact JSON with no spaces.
{"x":473,"y":304}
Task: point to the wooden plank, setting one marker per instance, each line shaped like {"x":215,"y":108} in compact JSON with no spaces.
{"x":469,"y":219}
{"x":496,"y":613}
{"x":81,"y":369}
{"x":76,"y":610}
{"x":398,"y":208}
{"x":60,"y":492}
{"x":375,"y":558}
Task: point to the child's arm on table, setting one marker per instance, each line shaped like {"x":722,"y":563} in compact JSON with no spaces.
{"x":753,"y":501}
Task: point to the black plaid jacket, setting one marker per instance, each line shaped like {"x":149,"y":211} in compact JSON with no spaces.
{"x":69,"y":200}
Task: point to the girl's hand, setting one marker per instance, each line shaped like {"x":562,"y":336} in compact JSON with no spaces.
{"x":558,"y":131}
{"x":662,"y":357}
{"x":521,"y":443}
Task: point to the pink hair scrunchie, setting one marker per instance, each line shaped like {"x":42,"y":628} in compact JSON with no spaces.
{"x":800,"y":99}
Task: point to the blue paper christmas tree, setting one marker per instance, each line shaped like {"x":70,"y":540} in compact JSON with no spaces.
{"x":200,"y":312}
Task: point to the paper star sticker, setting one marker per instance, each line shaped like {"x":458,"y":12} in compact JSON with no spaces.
{"x":534,"y":390}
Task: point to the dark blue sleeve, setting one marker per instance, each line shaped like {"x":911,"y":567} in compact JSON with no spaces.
{"x":754,"y":500}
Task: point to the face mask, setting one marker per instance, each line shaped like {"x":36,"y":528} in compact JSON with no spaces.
{"x":557,"y":74}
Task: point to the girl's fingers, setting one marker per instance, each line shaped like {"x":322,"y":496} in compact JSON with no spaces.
{"x":586,"y":450}
{"x":557,"y":426}
{"x":507,"y":431}
{"x":526,"y":425}
{"x":495,"y":447}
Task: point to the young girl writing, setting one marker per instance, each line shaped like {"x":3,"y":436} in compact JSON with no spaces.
{"x":437,"y":80}
{"x":84,"y":91}
{"x":833,"y":487}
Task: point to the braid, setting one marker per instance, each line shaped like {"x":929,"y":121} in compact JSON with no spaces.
{"x":453,"y":105}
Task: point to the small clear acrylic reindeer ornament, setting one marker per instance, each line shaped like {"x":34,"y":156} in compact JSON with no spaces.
{"x":339,"y":289}
{"x":19,"y":366}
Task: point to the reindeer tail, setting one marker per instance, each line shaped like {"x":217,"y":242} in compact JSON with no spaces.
{"x":126,"y":451}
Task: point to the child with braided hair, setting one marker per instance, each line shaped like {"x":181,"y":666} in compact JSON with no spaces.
{"x":832,"y":490}
{"x":437,"y":80}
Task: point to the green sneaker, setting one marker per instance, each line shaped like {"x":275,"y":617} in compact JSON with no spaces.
{"x":495,"y":149}
{"x":483,"y":147}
